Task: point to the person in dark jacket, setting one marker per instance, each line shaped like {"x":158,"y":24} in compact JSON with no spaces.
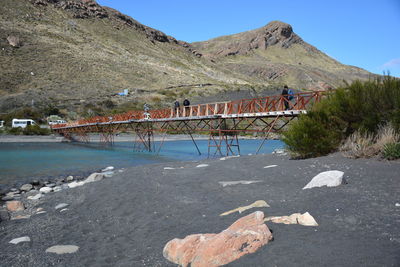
{"x":285,"y":95}
{"x":186,"y":104}
{"x":176,"y":107}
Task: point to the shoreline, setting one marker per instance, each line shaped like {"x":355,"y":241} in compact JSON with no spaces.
{"x":126,"y":219}
{"x":96,"y":138}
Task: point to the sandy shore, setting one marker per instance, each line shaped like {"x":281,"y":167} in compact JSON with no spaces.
{"x":127,"y":219}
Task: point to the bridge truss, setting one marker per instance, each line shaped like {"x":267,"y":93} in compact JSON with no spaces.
{"x":222,"y":121}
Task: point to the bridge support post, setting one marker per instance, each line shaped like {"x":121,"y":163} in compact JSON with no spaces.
{"x":144,"y":140}
{"x":223,"y":138}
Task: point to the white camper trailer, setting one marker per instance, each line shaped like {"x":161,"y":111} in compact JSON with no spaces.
{"x":22,"y":123}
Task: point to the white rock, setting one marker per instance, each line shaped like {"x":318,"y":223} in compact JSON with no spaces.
{"x":75,"y":184}
{"x":46,"y":189}
{"x":108,"y":174}
{"x":57,"y":189}
{"x":62,"y":249}
{"x":229,"y":157}
{"x":41,"y":212}
{"x":70,"y":178}
{"x":270,"y":166}
{"x":94,"y":177}
{"x":109,"y":168}
{"x":20,"y":239}
{"x":397,"y":204}
{"x":61,"y":206}
{"x":26,"y":187}
{"x":328,"y":178}
{"x":202,"y":165}
{"x":227,"y":183}
{"x":35,"y":197}
{"x":64,"y":210}
{"x":169,"y":168}
{"x":120,"y":171}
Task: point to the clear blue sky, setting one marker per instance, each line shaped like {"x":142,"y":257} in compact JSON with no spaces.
{"x":363,"y":33}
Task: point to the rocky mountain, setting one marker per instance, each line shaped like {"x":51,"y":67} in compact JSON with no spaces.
{"x":76,"y":55}
{"x":275,"y":54}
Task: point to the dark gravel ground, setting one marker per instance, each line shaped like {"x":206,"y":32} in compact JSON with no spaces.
{"x":126,"y":220}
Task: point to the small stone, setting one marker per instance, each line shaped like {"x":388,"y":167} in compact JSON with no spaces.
{"x":63,"y":210}
{"x":35,"y":197}
{"x":397,"y":204}
{"x":61,"y":206}
{"x":62,"y":249}
{"x":169,"y":168}
{"x":46,"y":189}
{"x":14,"y":190}
{"x":108,"y":174}
{"x":21,"y":217}
{"x":75,"y":184}
{"x":14,"y":41}
{"x":70,"y":178}
{"x":57,"y":189}
{"x":26,"y":187}
{"x":64,"y":186}
{"x":14,"y":205}
{"x":35,"y":182}
{"x":33,"y":192}
{"x":4,"y":216}
{"x":202,"y":165}
{"x":328,"y":178}
{"x":51,"y":185}
{"x":41,"y":212}
{"x":109,"y":168}
{"x":7,"y":198}
{"x":94,"y":177}
{"x":270,"y":166}
{"x":20,"y":239}
{"x":228,"y":183}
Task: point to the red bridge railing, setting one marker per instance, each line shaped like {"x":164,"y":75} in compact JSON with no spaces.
{"x":301,"y":101}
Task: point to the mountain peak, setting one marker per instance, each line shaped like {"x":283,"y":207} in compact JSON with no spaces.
{"x":274,"y":33}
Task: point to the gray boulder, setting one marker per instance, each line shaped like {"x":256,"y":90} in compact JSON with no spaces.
{"x":26,"y":187}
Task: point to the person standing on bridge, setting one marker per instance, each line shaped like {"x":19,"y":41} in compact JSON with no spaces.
{"x":285,"y":96}
{"x":146,"y":109}
{"x":186,"y":104}
{"x":177,"y":107}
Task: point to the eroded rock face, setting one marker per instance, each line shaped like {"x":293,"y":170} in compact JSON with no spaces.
{"x":243,"y":237}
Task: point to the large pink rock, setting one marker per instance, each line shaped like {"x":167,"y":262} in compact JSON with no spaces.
{"x":244,"y":236}
{"x":14,"y":205}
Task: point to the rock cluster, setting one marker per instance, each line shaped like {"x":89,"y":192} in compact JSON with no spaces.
{"x":244,"y":236}
{"x":19,"y":203}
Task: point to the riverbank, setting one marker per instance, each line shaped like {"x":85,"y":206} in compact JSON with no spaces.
{"x":126,"y":220}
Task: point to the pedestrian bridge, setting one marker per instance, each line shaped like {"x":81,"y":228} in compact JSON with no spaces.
{"x":222,"y":121}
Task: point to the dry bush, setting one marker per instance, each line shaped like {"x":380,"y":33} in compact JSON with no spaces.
{"x":366,"y":145}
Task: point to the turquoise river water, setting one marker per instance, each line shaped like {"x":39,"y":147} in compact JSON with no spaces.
{"x":23,"y":162}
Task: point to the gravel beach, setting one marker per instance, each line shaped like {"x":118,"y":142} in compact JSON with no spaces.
{"x":126,"y":219}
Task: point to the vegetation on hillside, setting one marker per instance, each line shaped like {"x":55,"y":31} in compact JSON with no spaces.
{"x":363,"y":116}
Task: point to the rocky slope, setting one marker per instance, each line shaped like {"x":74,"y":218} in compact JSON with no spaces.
{"x":75,"y":54}
{"x":275,"y":54}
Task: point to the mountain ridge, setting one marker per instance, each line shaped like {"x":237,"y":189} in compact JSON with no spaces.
{"x":77,"y":54}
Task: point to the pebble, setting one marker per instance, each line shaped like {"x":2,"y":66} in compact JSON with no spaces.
{"x":397,"y":204}
{"x":64,"y":210}
{"x":14,"y":190}
{"x":41,"y":212}
{"x":20,"y":239}
{"x":51,"y":185}
{"x":169,"y":168}
{"x":57,"y":189}
{"x":35,"y":182}
{"x":45,"y":189}
{"x":270,"y":166}
{"x":62,"y":249}
{"x":109,"y":168}
{"x":26,"y":187}
{"x":7,"y":198}
{"x":70,"y":178}
{"x":61,"y":206}
{"x":108,"y":174}
{"x":64,"y":186}
{"x":35,"y":197}
{"x":202,"y":165}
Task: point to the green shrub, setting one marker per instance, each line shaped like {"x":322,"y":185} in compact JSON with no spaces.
{"x":391,"y":151}
{"x":361,"y":106}
{"x":15,"y":131}
{"x":35,"y":130}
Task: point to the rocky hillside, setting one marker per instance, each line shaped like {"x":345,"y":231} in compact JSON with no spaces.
{"x":276,"y":55}
{"x":76,"y":55}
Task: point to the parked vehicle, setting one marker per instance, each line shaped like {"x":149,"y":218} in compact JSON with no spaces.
{"x":57,"y":122}
{"x":22,"y":123}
